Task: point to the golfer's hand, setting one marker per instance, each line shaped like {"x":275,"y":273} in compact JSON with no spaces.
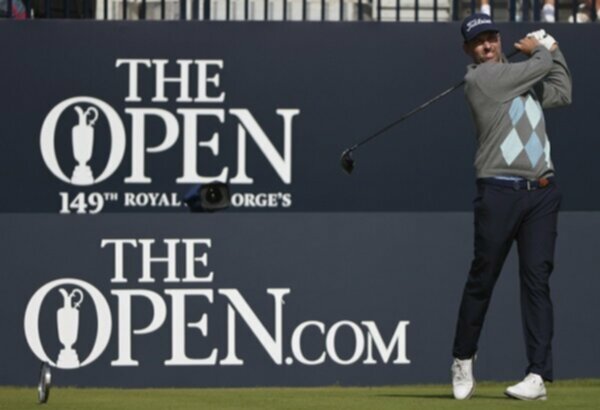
{"x":545,"y":39}
{"x":526,"y":45}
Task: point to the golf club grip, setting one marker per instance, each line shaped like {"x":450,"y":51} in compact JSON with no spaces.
{"x":419,"y":108}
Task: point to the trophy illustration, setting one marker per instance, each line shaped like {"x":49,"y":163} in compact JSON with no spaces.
{"x":82,"y":137}
{"x":67,"y":318}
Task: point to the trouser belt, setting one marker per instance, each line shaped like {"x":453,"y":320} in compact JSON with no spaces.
{"x":520,"y":184}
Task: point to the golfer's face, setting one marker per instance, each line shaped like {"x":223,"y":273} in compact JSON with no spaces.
{"x":485,"y":47}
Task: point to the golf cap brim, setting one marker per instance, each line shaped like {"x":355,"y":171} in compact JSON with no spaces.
{"x":475,"y":24}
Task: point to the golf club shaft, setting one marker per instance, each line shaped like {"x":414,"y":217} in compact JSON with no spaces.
{"x":416,"y":110}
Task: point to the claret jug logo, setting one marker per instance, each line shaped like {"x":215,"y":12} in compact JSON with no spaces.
{"x":67,"y":322}
{"x":82,"y":140}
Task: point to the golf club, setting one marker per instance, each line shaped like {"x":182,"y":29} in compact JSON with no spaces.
{"x":347,"y":162}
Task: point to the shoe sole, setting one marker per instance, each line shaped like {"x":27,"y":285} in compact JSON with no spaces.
{"x":468,"y":396}
{"x":516,"y":396}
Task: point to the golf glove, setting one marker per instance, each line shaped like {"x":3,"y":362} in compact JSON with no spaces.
{"x":544,"y":38}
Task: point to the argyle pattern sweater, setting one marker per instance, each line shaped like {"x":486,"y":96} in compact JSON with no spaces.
{"x":507,"y":101}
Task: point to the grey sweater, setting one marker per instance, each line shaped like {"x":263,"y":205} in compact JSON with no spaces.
{"x":505,"y":102}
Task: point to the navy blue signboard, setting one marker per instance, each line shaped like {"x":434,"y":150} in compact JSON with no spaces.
{"x":313,"y":277}
{"x":121,"y":116}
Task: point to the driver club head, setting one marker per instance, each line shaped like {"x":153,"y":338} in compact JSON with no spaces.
{"x":44,"y":383}
{"x":347,"y":162}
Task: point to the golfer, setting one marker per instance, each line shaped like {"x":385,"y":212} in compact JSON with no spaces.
{"x":517,"y":195}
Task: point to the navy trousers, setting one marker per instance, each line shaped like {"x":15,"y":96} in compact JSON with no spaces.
{"x":504,"y":215}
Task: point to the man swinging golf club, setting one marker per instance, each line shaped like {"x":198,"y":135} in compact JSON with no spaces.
{"x":517,"y":195}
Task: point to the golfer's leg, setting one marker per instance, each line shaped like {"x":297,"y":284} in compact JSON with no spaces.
{"x":495,"y":218}
{"x":536,"y":241}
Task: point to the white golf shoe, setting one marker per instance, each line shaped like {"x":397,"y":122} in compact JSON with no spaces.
{"x":531,"y":388}
{"x":463,"y":383}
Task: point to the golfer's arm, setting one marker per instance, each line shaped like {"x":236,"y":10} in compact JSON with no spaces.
{"x":503,"y":82}
{"x":555,"y":89}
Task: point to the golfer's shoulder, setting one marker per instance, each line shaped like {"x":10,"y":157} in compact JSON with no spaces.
{"x":478,"y":73}
{"x":471,"y":73}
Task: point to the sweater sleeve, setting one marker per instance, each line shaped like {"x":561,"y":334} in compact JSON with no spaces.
{"x":503,"y":82}
{"x":555,"y":89}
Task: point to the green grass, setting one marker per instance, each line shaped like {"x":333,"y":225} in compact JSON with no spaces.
{"x":571,"y":394}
